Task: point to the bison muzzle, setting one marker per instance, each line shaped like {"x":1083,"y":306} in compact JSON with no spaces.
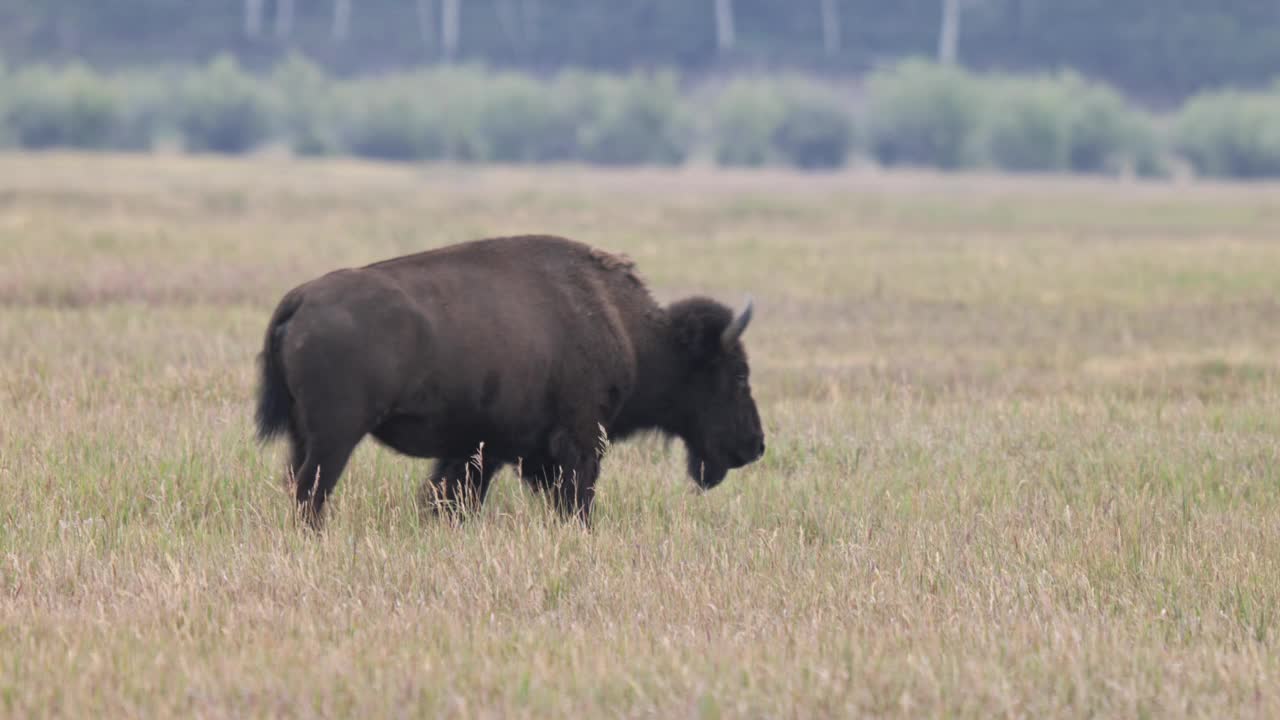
{"x":524,"y":351}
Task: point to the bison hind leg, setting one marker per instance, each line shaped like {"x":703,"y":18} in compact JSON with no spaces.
{"x":297,"y":455}
{"x":317,"y":474}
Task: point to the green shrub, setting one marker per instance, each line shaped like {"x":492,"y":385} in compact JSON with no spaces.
{"x":816,"y":129}
{"x":1147,"y":154}
{"x":224,"y":110}
{"x":636,"y":120}
{"x":747,"y":115}
{"x":306,"y":109}
{"x":924,"y":114}
{"x":1064,"y":122}
{"x":461,"y":98}
{"x":70,"y":107}
{"x":1231,"y":134}
{"x":525,"y":121}
{"x":461,"y":114}
{"x":1105,"y":133}
{"x":468,"y":115}
{"x":1103,"y":130}
{"x":920,"y":114}
{"x":389,"y":119}
{"x":5,"y":81}
{"x":147,"y":111}
{"x":1026,"y":125}
{"x":453,"y":101}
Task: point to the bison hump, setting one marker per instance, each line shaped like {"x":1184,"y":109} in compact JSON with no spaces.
{"x":613,"y":261}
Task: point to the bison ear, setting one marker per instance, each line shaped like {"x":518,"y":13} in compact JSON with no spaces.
{"x":701,"y":328}
{"x":693,"y":335}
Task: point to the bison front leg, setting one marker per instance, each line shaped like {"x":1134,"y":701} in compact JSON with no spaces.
{"x":456,"y":487}
{"x":577,"y":466}
{"x":576,"y":492}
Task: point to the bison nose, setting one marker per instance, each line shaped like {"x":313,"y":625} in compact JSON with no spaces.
{"x":759,"y":448}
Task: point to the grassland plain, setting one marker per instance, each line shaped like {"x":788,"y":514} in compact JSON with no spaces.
{"x":1023,"y":456}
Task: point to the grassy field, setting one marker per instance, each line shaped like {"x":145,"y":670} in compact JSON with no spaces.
{"x":1023,"y":444}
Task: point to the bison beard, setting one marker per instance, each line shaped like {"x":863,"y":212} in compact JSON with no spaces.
{"x":706,"y":474}
{"x":527,"y":347}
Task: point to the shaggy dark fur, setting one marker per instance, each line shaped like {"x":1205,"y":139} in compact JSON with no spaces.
{"x":534,"y":346}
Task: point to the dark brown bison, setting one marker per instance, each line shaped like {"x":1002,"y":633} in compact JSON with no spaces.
{"x":524,"y":350}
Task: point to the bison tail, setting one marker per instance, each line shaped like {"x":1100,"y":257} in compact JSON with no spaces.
{"x":274,"y":402}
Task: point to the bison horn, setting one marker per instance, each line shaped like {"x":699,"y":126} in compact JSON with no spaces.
{"x":735,"y":328}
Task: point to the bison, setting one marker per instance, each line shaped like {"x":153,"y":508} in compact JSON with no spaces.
{"x":526,"y":350}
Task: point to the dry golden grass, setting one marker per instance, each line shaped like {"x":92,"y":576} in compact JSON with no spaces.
{"x":1022,"y":456}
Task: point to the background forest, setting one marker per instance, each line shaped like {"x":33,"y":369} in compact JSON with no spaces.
{"x":1019,"y":85}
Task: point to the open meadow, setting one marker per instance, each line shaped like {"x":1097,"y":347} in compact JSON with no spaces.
{"x":1023,"y":455}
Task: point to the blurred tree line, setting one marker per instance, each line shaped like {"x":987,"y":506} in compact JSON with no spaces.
{"x":1153,"y":49}
{"x":913,"y":113}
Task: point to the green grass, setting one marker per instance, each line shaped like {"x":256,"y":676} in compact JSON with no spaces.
{"x":1023,"y":451}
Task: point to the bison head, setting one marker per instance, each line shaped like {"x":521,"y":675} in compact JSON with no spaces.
{"x":718,"y":421}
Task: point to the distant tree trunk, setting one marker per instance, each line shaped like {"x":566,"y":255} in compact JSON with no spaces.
{"x":509,"y":18}
{"x":830,"y":26}
{"x":68,"y":33}
{"x":426,"y":22}
{"x":284,"y":18}
{"x":449,"y":28}
{"x":529,"y":14}
{"x":253,"y":17}
{"x":341,"y":20}
{"x":724,"y":25}
{"x":949,"y":36}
